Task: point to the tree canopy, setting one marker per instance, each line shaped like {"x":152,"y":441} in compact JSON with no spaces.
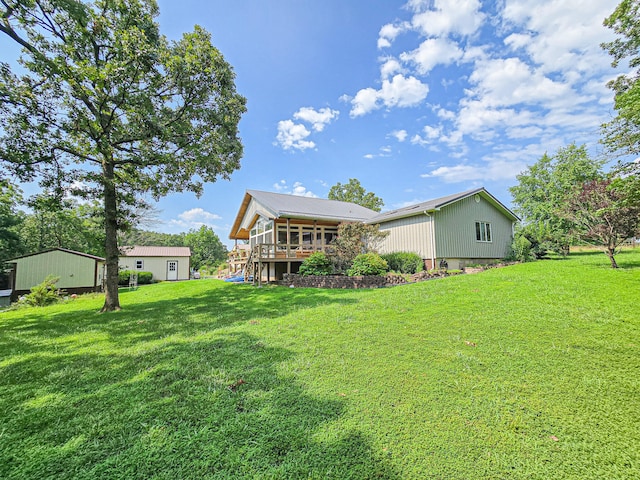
{"x":355,"y":193}
{"x":111,"y":109}
{"x":10,"y":219}
{"x":543,"y":187}
{"x":622,"y":134}
{"x":601,"y":213}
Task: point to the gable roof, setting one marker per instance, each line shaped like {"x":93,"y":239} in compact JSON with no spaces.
{"x":438,"y":203}
{"x":152,"y":251}
{"x":278,"y":205}
{"x":72,"y":252}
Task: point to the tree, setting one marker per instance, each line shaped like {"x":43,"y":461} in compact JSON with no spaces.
{"x":602,"y":214}
{"x":206,"y":247}
{"x":110,"y":109}
{"x":10,"y":220}
{"x":354,"y":239}
{"x":354,"y":192}
{"x":542,"y":189}
{"x":66,"y":224}
{"x":622,"y":134}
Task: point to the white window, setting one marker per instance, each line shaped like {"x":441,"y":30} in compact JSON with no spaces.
{"x":139,"y":265}
{"x":483,"y":231}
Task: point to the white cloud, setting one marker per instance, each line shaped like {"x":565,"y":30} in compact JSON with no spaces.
{"x":298,"y":189}
{"x":390,"y":67}
{"x":401,"y":91}
{"x":400,"y":135}
{"x":194,"y":219}
{"x":462,"y":17}
{"x":317,"y":118}
{"x":389,"y":32}
{"x":492,"y":171}
{"x":432,"y":52}
{"x":293,"y":135}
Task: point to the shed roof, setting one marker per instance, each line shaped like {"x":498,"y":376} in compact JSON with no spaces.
{"x":438,"y":203}
{"x":72,"y":252}
{"x":153,"y":251}
{"x":278,"y":205}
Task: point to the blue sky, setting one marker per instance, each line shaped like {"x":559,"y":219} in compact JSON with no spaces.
{"x":416,"y":99}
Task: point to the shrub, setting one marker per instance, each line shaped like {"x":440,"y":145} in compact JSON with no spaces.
{"x":404,"y":262}
{"x":521,"y":250}
{"x":368,"y":264}
{"x":44,"y":293}
{"x":144,"y":278}
{"x":316,"y":264}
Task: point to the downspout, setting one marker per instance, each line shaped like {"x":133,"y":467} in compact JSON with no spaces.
{"x":433,"y":239}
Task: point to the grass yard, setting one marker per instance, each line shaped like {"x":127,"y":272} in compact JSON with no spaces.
{"x":530,"y":371}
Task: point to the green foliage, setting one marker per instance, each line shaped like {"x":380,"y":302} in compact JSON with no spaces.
{"x":543,"y":188}
{"x":108,"y":107}
{"x":354,"y":239}
{"x":354,"y":192}
{"x":144,"y":278}
{"x":316,"y":264}
{"x":521,"y":249}
{"x":404,"y":262}
{"x":206,"y":248}
{"x":10,"y":221}
{"x":368,"y":264}
{"x":604,"y":215}
{"x":43,"y":294}
{"x":622,"y":134}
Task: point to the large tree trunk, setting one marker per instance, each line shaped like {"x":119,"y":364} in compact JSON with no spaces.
{"x":610,"y":253}
{"x":111,"y":299}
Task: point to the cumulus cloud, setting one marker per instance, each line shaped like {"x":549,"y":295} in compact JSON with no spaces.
{"x":400,"y":91}
{"x":317,"y":118}
{"x":292,"y":135}
{"x":400,"y":135}
{"x":298,"y":189}
{"x":432,"y":52}
{"x":462,"y":17}
{"x":194,"y":219}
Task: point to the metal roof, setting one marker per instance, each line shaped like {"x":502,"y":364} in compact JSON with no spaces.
{"x":293,"y":206}
{"x":65,"y":250}
{"x":151,"y":251}
{"x":437,"y":204}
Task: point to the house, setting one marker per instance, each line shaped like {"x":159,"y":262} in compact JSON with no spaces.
{"x":460,"y":229}
{"x":283,"y":230}
{"x":165,"y":263}
{"x":78,"y":272}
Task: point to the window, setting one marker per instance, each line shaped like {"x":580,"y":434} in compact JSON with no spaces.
{"x":139,"y":265}
{"x":483,"y":231}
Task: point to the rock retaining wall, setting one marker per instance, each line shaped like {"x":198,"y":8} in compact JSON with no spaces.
{"x":332,"y":281}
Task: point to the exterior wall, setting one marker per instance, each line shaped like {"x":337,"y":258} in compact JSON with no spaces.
{"x":411,"y":234}
{"x":157,"y":266}
{"x":75,"y":271}
{"x":252,"y":210}
{"x":456,"y":234}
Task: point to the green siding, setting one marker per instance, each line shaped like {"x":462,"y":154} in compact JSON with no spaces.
{"x":456,"y":234}
{"x":410,"y":234}
{"x":75,"y":271}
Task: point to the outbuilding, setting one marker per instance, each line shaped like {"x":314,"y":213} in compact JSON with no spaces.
{"x":78,"y":272}
{"x":165,"y":263}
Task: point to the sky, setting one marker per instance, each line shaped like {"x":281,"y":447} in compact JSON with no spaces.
{"x":416,"y":99}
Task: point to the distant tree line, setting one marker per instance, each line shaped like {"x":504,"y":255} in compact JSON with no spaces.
{"x":79,"y":226}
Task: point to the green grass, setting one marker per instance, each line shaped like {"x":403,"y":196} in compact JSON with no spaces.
{"x":530,"y":371}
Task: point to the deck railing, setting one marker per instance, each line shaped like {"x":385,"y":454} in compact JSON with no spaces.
{"x":271,"y":251}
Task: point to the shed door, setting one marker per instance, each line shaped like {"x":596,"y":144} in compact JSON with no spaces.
{"x":172,"y":270}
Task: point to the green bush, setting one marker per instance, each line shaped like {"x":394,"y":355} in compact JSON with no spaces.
{"x":368,"y":264}
{"x":144,"y":278}
{"x":316,"y":264}
{"x":43,"y":294}
{"x":404,"y":262}
{"x":522,"y":250}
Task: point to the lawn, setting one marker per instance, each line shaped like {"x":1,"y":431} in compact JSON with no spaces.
{"x":529,"y":371}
